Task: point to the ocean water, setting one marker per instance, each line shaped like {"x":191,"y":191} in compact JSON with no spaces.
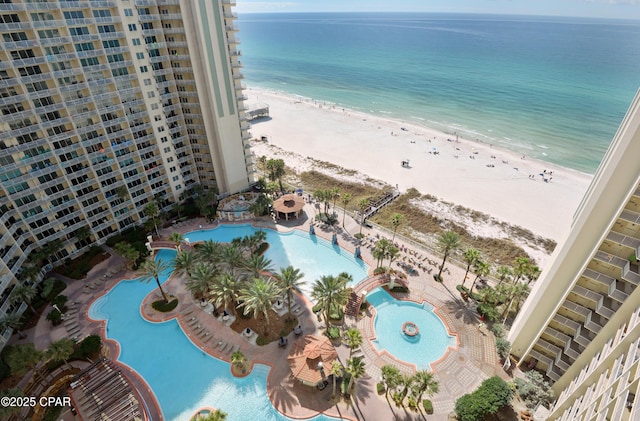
{"x":553,"y":88}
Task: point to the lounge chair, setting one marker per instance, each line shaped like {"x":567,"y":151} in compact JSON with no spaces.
{"x":221,"y":344}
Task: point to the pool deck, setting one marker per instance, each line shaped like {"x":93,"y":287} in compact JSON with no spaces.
{"x":459,"y":371}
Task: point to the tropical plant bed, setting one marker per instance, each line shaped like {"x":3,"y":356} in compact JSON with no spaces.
{"x":243,"y":371}
{"x":80,"y":266}
{"x":278,"y":326}
{"x":164,"y":306}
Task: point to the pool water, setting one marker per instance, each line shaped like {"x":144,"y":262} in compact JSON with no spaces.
{"x":315,"y":257}
{"x":429,"y":345}
{"x":183,"y":377}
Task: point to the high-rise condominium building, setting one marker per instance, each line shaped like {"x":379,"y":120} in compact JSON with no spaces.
{"x":581,"y":322}
{"x":106,"y":106}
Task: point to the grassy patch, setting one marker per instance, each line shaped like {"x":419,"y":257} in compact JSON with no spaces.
{"x":78,"y":268}
{"x":314,"y":180}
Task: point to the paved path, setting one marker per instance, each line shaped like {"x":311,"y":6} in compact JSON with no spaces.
{"x":460,"y":371}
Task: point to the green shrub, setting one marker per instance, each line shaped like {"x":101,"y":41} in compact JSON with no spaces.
{"x":380,"y":388}
{"x":428,"y":406}
{"x":503,"y":346}
{"x":492,"y":395}
{"x":489,"y":311}
{"x":87,"y":348}
{"x":400,"y":288}
{"x":55,"y":317}
{"x":163,"y":306}
{"x":498,"y":330}
{"x":380,"y":270}
{"x":333,"y":333}
{"x":261,"y":341}
{"x":364,"y":305}
{"x":60,"y":301}
{"x":262,"y":248}
{"x":534,"y":390}
{"x":437,"y":278}
{"x":336,"y":314}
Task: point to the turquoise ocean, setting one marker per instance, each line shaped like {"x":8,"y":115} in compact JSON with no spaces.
{"x":553,"y":88}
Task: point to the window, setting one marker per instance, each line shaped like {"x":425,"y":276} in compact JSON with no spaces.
{"x":147,"y":82}
{"x":114,"y":58}
{"x":144,"y":69}
{"x":157,"y":117}
{"x":92,"y":61}
{"x":119,"y":72}
{"x":14,"y":36}
{"x":175,"y":178}
{"x":105,"y":29}
{"x":101,"y":13}
{"x":140,"y":56}
{"x":111,"y":43}
{"x":172,"y":169}
{"x":128,"y":12}
{"x":132,"y":27}
{"x":81,"y":30}
{"x":136,"y":41}
{"x":22,"y":54}
{"x":164,"y":140}
{"x":167,"y":149}
{"x":151,"y":94}
{"x":154,"y":106}
{"x":74,"y":14}
{"x":29,"y":70}
{"x":85,"y":46}
{"x":49,"y":33}
{"x":170,"y":159}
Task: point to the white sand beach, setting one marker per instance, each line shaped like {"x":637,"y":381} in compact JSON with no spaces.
{"x":508,"y":186}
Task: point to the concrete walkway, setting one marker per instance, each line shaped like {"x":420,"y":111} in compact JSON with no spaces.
{"x":460,"y":371}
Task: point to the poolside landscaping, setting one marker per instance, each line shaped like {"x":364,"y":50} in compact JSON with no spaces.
{"x":238,"y":299}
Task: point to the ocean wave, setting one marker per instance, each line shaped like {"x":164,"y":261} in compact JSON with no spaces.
{"x":543,"y":146}
{"x":417,"y":118}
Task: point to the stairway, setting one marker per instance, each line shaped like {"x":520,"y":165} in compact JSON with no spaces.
{"x":353,"y":305}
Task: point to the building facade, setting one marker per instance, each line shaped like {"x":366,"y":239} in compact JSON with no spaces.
{"x":580,"y":325}
{"x":107,"y":106}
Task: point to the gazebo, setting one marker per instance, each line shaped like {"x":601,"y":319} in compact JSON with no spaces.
{"x":311,"y":358}
{"x":288,"y":206}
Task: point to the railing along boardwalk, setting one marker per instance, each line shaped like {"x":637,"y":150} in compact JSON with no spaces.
{"x":355,"y":299}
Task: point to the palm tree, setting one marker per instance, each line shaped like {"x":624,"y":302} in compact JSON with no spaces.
{"x":355,"y":367}
{"x":22,"y":358}
{"x":518,"y":292}
{"x":381,"y":250}
{"x":424,"y":382}
{"x":533,"y":273}
{"x":392,"y":253}
{"x":448,"y":242}
{"x":231,"y":257}
{"x":481,"y":269}
{"x":210,"y":251}
{"x":275,"y":171}
{"x":23,"y":293}
{"x":334,"y":194}
{"x":7,"y":411}
{"x":471,"y":256}
{"x":406,"y":381}
{"x":336,"y":371}
{"x":329,"y":291}
{"x":353,"y":339}
{"x":259,"y":297}
{"x":12,"y":321}
{"x":60,"y":350}
{"x":290,"y":282}
{"x":257,"y":264}
{"x":391,"y":378}
{"x":152,"y":270}
{"x":522,"y":266}
{"x":238,"y":359}
{"x":225,"y":290}
{"x":345,"y":200}
{"x":503,"y":272}
{"x":152,"y":211}
{"x":128,"y":252}
{"x":184,"y":262}
{"x":396,"y":220}
{"x":176,"y":238}
{"x":363,"y":204}
{"x":201,"y":279}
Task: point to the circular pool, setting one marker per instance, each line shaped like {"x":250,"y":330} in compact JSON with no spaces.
{"x":409,"y":331}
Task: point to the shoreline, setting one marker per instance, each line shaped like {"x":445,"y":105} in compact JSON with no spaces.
{"x":476,"y":175}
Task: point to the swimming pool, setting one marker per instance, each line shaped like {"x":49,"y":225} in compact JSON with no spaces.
{"x":429,"y":345}
{"x":183,"y":377}
{"x":314,"y":256}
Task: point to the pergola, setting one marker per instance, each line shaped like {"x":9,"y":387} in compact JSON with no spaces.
{"x":311,"y":358}
{"x":288,"y":206}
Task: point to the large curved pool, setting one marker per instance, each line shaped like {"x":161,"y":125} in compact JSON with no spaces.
{"x":314,"y":256}
{"x":429,"y":345}
{"x":183,"y":377}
